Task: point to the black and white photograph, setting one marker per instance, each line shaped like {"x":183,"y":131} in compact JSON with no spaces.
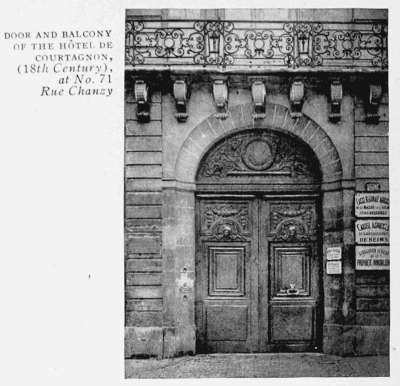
{"x":256,"y":193}
{"x":199,"y":193}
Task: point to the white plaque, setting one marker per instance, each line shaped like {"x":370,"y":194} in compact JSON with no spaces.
{"x":334,"y":267}
{"x":372,"y":231}
{"x":333,"y":253}
{"x":372,"y":204}
{"x":372,"y":257}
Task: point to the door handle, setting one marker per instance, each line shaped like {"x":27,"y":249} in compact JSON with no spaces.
{"x":292,"y":290}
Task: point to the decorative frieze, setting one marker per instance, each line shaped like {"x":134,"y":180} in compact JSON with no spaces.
{"x":255,"y":45}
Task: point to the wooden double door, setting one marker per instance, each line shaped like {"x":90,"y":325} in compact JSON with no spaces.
{"x":258,"y":273}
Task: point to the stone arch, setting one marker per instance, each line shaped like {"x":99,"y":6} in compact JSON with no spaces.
{"x":240,"y":117}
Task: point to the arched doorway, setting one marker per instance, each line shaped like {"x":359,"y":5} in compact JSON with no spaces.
{"x":179,"y":213}
{"x":259,"y":270}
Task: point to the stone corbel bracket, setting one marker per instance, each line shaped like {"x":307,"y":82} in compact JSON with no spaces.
{"x":141,"y":91}
{"x":220,"y":94}
{"x":181,"y":95}
{"x":374,"y":99}
{"x":296,"y":98}
{"x":336,"y":96}
{"x":258,"y":93}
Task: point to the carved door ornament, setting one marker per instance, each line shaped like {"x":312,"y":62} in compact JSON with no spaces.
{"x":259,"y":153}
{"x":225,"y":221}
{"x":290,"y":223}
{"x":226,"y":230}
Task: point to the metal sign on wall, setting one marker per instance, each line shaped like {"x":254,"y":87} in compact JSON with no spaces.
{"x":372,"y":257}
{"x":333,"y":253}
{"x":372,"y":231}
{"x":334,"y":267}
{"x":372,"y":204}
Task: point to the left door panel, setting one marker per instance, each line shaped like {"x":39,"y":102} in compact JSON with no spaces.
{"x":226,"y":307}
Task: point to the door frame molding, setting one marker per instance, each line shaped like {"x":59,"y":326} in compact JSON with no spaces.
{"x":178,"y":224}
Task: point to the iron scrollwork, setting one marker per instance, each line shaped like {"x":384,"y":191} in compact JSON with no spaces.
{"x":255,"y":44}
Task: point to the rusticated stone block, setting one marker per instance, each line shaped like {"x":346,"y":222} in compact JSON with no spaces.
{"x":372,"y":158}
{"x":145,"y":279}
{"x":373,"y":318}
{"x":363,"y":129}
{"x":179,"y":341}
{"x":143,"y":157}
{"x":371,"y":144}
{"x":141,"y":198}
{"x":377,"y":304}
{"x":355,"y":340}
{"x":144,"y":304}
{"x":373,"y":277}
{"x":372,"y":171}
{"x":139,"y":225}
{"x":143,"y":341}
{"x":143,"y":143}
{"x":152,"y":128}
{"x":143,"y":318}
{"x":143,"y":265}
{"x":372,"y":340}
{"x":143,"y":292}
{"x":381,"y":290}
{"x":144,"y":245}
{"x":143,"y":211}
{"x":143,"y":171}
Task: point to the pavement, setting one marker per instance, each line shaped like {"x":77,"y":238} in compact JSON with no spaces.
{"x":258,"y":366}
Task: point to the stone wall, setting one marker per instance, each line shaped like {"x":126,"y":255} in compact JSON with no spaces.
{"x":372,"y":166}
{"x":143,"y":264}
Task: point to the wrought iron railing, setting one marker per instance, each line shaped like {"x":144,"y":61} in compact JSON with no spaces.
{"x":238,"y":45}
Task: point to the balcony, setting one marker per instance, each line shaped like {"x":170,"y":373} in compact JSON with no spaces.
{"x":255,"y":47}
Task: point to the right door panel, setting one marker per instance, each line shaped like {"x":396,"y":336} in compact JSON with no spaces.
{"x":289,"y":275}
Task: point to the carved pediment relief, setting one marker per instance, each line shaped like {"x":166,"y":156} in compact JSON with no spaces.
{"x":259,"y":153}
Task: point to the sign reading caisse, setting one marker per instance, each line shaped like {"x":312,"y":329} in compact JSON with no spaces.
{"x":333,"y":253}
{"x":372,"y":231}
{"x":372,"y":204}
{"x":334,"y":267}
{"x":372,"y":257}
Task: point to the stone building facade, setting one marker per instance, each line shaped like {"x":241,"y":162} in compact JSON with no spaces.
{"x":256,"y":181}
